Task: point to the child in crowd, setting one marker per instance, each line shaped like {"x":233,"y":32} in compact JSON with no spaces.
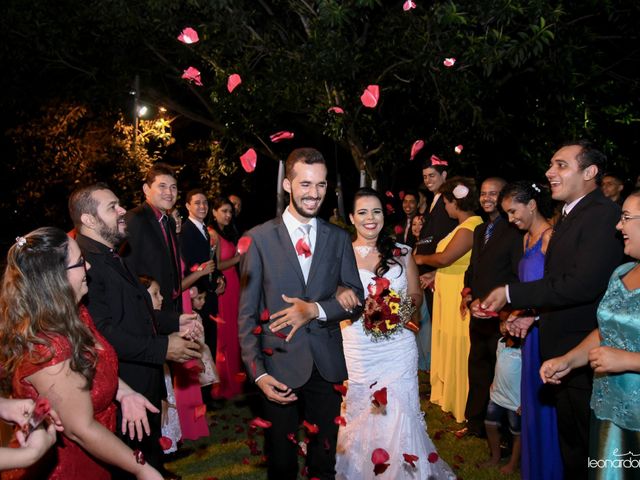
{"x":209,"y":374}
{"x":505,"y":399}
{"x":170,"y":421}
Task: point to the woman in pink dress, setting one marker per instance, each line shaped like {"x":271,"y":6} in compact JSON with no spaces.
{"x":228,"y":358}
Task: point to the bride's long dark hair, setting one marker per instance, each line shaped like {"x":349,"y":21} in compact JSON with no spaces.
{"x":385,"y":244}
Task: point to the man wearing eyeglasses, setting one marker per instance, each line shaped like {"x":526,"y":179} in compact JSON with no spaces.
{"x":122,"y":310}
{"x":583,"y":252}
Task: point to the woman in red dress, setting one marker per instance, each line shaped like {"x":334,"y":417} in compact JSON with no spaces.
{"x":50,"y":348}
{"x":228,"y":358}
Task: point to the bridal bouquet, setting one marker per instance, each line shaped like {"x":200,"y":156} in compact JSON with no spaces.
{"x":386,"y":311}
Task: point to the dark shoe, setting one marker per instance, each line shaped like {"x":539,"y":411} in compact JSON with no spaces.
{"x":468,"y":432}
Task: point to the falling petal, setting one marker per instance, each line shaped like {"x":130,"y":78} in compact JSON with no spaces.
{"x":165,"y":443}
{"x":193,"y":75}
{"x":199,"y":411}
{"x":415,"y":148}
{"x":278,"y":137}
{"x":449,"y":62}
{"x":218,"y":320}
{"x":240,"y":377}
{"x":257,"y":330}
{"x":401,"y":194}
{"x":267,"y":351}
{"x":410,"y":459}
{"x":260,"y":422}
{"x":408,"y":5}
{"x":292,"y":438}
{"x":188,"y":36}
{"x":379,"y":455}
{"x":340,"y":421}
{"x":248,"y":160}
{"x":389,"y":193}
{"x":398,"y":229}
{"x":458,"y":149}
{"x":233,"y":81}
{"x":370,"y":96}
{"x":437,"y":161}
{"x":390,"y":209}
{"x":264,"y":315}
{"x":195,"y":267}
{"x":312,"y":428}
{"x":433,"y":457}
{"x":243,"y":245}
{"x":340,"y":388}
{"x":380,"y":397}
{"x":336,"y":110}
{"x":380,"y":468}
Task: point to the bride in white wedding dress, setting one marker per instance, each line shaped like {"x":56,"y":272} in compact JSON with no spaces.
{"x":373,"y":364}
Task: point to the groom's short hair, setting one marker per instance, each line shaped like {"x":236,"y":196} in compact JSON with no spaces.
{"x":305,"y":155}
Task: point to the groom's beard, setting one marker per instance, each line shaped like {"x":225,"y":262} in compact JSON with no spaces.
{"x":299,"y":207}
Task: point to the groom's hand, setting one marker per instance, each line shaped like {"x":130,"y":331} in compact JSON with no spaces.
{"x":296,"y":316}
{"x":275,"y":391}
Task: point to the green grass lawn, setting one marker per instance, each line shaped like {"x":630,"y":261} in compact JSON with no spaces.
{"x":226,"y":454}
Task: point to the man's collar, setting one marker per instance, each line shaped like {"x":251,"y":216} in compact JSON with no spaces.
{"x":569,"y":206}
{"x":197,"y":222}
{"x":159,"y":214}
{"x":94,"y":246}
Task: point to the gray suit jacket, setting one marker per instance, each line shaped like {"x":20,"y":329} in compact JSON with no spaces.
{"x":269,"y":269}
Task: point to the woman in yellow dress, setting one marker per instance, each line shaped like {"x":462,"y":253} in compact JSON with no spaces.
{"x":450,"y":329}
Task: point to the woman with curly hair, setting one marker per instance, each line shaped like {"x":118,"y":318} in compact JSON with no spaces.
{"x":450,"y":329}
{"x":387,"y":364}
{"x":50,"y":348}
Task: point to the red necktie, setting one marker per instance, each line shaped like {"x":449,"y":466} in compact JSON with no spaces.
{"x":302,"y":248}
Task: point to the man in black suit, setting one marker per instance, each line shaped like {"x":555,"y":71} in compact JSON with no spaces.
{"x":496,"y":252}
{"x":293,"y":268}
{"x":121,"y":308}
{"x":582,"y":253}
{"x":437,"y":222}
{"x":152,"y":247}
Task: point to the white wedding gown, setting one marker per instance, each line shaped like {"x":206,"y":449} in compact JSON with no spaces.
{"x":399,"y":427}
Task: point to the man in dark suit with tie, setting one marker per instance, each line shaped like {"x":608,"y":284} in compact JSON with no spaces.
{"x":152,"y":247}
{"x":293,"y":268}
{"x":121,"y":308}
{"x":496,"y":252}
{"x":582,"y":253}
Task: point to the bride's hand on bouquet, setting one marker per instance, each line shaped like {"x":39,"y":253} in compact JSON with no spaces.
{"x":347,"y":298}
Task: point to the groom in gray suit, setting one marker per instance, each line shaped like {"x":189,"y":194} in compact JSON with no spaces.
{"x":293,"y":350}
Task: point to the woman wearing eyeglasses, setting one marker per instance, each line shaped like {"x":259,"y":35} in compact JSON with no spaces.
{"x":613,"y":352}
{"x":50,"y":348}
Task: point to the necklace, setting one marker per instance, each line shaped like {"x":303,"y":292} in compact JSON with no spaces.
{"x":363,"y":250}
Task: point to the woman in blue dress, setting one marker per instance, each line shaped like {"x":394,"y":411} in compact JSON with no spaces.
{"x":613,"y":351}
{"x":529,"y":206}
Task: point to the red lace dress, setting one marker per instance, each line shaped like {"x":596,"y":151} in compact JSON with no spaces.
{"x":72,"y":462}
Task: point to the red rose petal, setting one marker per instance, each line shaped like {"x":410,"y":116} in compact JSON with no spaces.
{"x":435,"y":160}
{"x":257,"y":330}
{"x":415,"y":148}
{"x":370,"y":96}
{"x":433,"y":457}
{"x":380,"y":468}
{"x":165,"y":443}
{"x":380,"y":397}
{"x":245,"y":461}
{"x":279,"y":136}
{"x":312,"y":428}
{"x":193,"y":75}
{"x":260,"y":422}
{"x":389,"y":208}
{"x":199,"y":411}
{"x":408,"y":5}
{"x":398,"y":229}
{"x":379,"y":455}
{"x":243,"y":245}
{"x":267,"y":351}
{"x":340,"y":388}
{"x":458,"y":149}
{"x":292,"y":438}
{"x":233,"y":81}
{"x":240,"y":377}
{"x":279,"y":334}
{"x":41,"y":407}
{"x":449,"y":62}
{"x":410,"y":459}
{"x":264,"y":315}
{"x":389,"y":193}
{"x":194,"y":267}
{"x":188,"y":36}
{"x":248,"y":160}
{"x":340,"y":421}
{"x":336,"y":110}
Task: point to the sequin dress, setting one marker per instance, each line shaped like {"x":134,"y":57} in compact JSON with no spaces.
{"x":73,"y":463}
{"x":615,"y":401}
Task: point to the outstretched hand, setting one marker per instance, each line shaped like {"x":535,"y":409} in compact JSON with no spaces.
{"x":134,"y":408}
{"x":296,"y":316}
{"x":494,"y":302}
{"x":554,"y":369}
